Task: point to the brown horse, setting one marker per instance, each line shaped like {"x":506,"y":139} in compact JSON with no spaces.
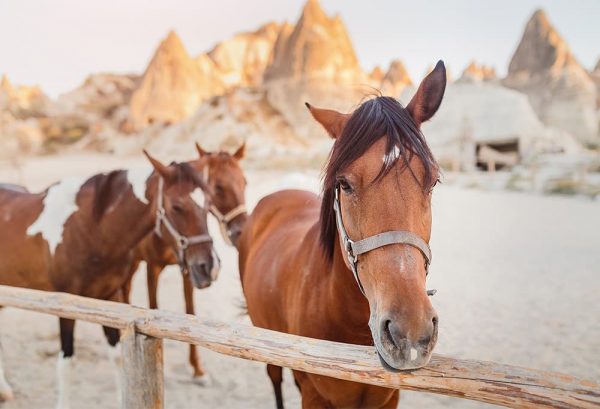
{"x":364,"y":281}
{"x":221,"y":171}
{"x":78,"y":236}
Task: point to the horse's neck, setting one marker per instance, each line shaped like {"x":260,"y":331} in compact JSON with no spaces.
{"x":133,"y":216}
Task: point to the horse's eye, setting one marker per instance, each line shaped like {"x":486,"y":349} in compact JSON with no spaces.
{"x":345,"y":186}
{"x":435,"y":184}
{"x":220,"y":190}
{"x":177,"y":208}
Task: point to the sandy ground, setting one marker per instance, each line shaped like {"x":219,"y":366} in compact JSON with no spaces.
{"x":517,"y":275}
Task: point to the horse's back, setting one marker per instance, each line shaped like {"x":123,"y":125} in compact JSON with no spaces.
{"x":24,"y":257}
{"x":269,"y":252}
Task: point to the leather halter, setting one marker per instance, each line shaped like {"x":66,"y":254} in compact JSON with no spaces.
{"x":182,"y":243}
{"x":224,"y":219}
{"x":355,"y":248}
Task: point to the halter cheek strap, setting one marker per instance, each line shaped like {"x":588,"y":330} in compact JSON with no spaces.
{"x":224,"y":219}
{"x":182,"y":243}
{"x":355,"y":248}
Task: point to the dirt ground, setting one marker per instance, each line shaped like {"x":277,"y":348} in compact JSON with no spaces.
{"x":517,"y":275}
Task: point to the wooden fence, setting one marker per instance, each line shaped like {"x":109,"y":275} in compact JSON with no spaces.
{"x":144,"y":330}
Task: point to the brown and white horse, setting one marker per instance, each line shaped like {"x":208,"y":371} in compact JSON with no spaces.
{"x":352,"y":266}
{"x":78,"y":236}
{"x":221,"y":171}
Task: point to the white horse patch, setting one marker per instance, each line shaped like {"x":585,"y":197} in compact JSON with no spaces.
{"x":198,"y":197}
{"x":137,"y":179}
{"x":392,"y":156}
{"x":59,"y":204}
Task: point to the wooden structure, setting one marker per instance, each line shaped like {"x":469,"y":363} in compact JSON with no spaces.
{"x":144,"y":329}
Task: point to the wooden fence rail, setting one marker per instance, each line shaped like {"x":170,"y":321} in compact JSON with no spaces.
{"x":476,"y":380}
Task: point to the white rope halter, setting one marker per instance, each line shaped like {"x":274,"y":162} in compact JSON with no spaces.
{"x":182,"y":243}
{"x":224,"y":219}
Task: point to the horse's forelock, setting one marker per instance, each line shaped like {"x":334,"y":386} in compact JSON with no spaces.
{"x":372,"y":120}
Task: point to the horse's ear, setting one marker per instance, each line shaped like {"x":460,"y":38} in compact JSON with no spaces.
{"x":428,"y":98}
{"x":201,"y":151}
{"x":333,"y":121}
{"x":165,"y":171}
{"x":239,"y":154}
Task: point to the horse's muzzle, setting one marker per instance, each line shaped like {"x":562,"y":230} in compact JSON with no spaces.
{"x":399,"y":350}
{"x":204,"y":271}
{"x":200,"y":274}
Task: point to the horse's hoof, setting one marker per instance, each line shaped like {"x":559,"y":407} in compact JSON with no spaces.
{"x":6,"y":394}
{"x":203,"y":380}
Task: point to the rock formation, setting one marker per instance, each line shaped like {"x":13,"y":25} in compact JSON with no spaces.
{"x":478,"y":73}
{"x":376,"y":75}
{"x":595,"y":74}
{"x":560,"y":90}
{"x":494,"y":114}
{"x":172,"y":87}
{"x":22,"y":101}
{"x":318,"y":47}
{"x":242,"y":60}
{"x":395,"y":80}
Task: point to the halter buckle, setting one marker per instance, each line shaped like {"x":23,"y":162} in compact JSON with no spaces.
{"x":183,"y":242}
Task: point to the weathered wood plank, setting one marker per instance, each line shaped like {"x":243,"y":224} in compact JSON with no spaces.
{"x":142,"y":370}
{"x":476,"y":380}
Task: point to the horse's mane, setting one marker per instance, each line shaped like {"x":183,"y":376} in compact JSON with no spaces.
{"x":110,"y":186}
{"x":108,"y":189}
{"x":185,"y":172}
{"x":373,"y":119}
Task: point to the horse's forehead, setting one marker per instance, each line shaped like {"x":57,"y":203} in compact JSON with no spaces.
{"x":226,"y":168}
{"x":368,"y":166}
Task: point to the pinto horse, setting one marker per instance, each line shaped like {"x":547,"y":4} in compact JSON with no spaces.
{"x":79,"y":236}
{"x":221,"y":171}
{"x":351,"y":267}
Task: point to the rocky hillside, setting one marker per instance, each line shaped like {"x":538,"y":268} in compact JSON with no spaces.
{"x":318,"y":47}
{"x":241,"y":61}
{"x":560,"y":90}
{"x":252,"y":87}
{"x":173,"y":86}
{"x":478,"y":73}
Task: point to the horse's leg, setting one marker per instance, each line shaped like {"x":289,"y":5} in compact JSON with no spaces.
{"x":67,"y":327}
{"x":188,"y":294}
{"x":126,"y":290}
{"x":112,"y":336}
{"x":393,"y":402}
{"x":276,"y":375}
{"x":6,"y":392}
{"x":153,"y":272}
{"x":310,"y":397}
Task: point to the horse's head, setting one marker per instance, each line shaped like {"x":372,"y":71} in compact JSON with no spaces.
{"x":222,"y":172}
{"x":384,"y":173}
{"x":182,"y":202}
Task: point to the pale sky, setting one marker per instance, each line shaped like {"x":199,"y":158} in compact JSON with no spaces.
{"x":57,"y":43}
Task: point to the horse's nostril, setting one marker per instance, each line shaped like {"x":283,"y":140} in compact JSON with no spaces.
{"x":425,"y":341}
{"x":388,"y":330}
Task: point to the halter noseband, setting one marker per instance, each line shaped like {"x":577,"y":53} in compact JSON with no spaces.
{"x":355,"y":248}
{"x":182,"y":243}
{"x":225,"y":219}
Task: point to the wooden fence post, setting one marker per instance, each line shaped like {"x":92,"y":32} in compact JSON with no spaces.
{"x":142,"y":380}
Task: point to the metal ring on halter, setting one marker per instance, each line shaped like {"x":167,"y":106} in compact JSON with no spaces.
{"x":355,"y":248}
{"x":183,"y":242}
